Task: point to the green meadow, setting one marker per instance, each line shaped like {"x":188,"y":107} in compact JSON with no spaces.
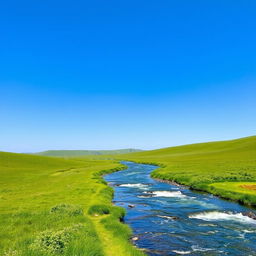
{"x":62,"y":206}
{"x":53,"y":206}
{"x":225,"y":168}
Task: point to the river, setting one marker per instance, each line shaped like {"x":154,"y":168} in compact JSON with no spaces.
{"x":168,"y":219}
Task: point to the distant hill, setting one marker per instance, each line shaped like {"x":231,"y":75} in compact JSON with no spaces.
{"x":77,"y":153}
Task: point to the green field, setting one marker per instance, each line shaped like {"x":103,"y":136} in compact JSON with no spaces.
{"x":216,"y":167}
{"x":79,"y":153}
{"x":52,"y":206}
{"x":58,"y":206}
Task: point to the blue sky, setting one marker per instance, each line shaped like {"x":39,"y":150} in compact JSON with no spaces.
{"x":118,"y":74}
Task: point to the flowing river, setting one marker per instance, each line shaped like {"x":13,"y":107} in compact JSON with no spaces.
{"x":172,"y":220}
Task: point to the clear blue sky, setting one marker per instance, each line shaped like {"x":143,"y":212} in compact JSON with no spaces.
{"x":117,"y":74}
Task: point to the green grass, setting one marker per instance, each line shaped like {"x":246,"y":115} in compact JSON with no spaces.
{"x":79,"y":153}
{"x":239,"y":191}
{"x":51,"y":206}
{"x":57,"y":206}
{"x":237,"y":187}
{"x":214,"y":167}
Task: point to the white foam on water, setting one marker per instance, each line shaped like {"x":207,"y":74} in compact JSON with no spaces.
{"x":212,"y":232}
{"x":222,"y":216}
{"x":196,"y":248}
{"x":165,"y":217}
{"x":185,"y":199}
{"x":130,"y":173}
{"x":249,"y":231}
{"x":136,"y":185}
{"x":206,"y":205}
{"x":207,"y":225}
{"x":241,"y":235}
{"x":167,"y":194}
{"x":193,"y":200}
{"x":142,"y":196}
{"x":181,"y":252}
{"x":178,"y":194}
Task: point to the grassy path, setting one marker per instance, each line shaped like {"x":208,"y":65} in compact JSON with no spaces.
{"x":112,"y":246}
{"x":47,"y":208}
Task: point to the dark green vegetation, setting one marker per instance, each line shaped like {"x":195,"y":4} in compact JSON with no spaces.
{"x":221,"y":168}
{"x":78,"y":153}
{"x":51,"y":206}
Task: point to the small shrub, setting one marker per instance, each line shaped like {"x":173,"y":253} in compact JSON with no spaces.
{"x":69,"y":209}
{"x":118,"y":213}
{"x":55,"y":241}
{"x":99,"y":209}
{"x":11,"y":252}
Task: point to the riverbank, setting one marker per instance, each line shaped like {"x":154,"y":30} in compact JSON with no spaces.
{"x":211,"y":167}
{"x":170,"y":219}
{"x":224,"y":190}
{"x":221,"y":189}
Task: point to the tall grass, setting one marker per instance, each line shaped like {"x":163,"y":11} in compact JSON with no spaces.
{"x":52,"y":206}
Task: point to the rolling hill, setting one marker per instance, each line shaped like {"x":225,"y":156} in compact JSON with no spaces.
{"x":224,"y":168}
{"x":79,"y":153}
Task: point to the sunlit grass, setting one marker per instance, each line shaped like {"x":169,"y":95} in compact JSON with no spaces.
{"x":52,"y":206}
{"x":200,"y":165}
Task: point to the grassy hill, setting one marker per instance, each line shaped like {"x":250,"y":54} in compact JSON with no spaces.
{"x":78,"y":153}
{"x":51,"y":206}
{"x":224,"y":168}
